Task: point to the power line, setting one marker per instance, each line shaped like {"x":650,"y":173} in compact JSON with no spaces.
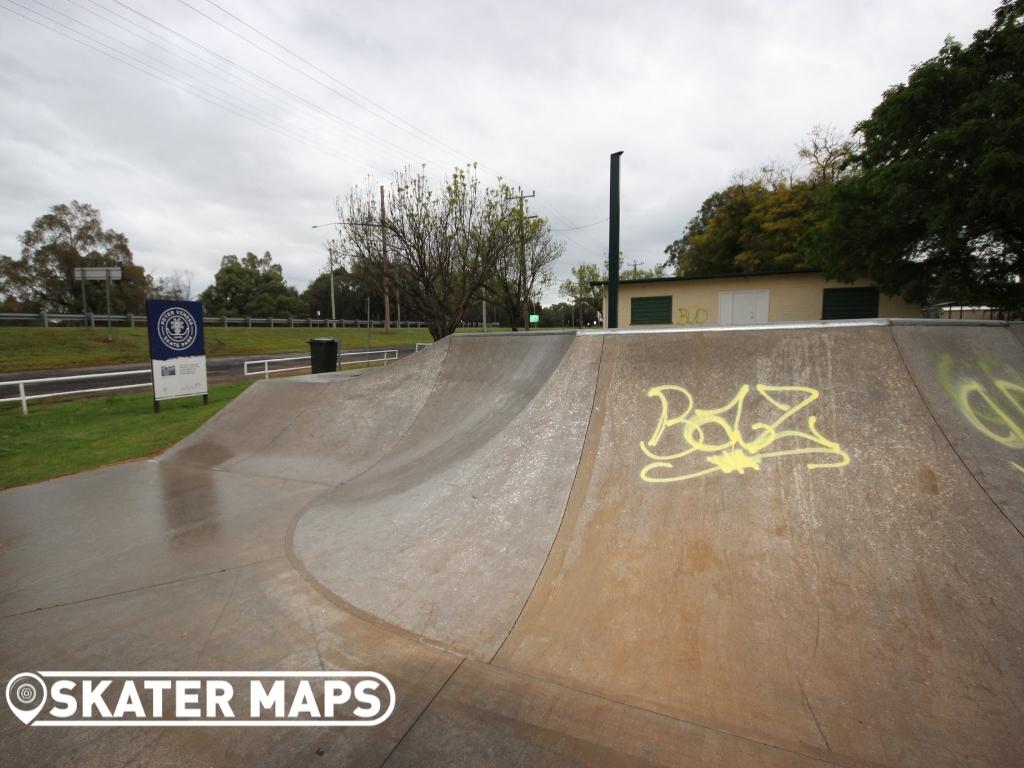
{"x":149,"y":70}
{"x":462,"y":156}
{"x":438,"y":142}
{"x":369,"y":134}
{"x":286,"y":63}
{"x":234,"y":105}
{"x":584,"y":226}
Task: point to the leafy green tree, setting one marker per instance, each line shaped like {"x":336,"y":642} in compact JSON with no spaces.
{"x":560,"y":315}
{"x":68,"y":237}
{"x":350,"y":294}
{"x":641,"y":273}
{"x":252,"y":286}
{"x":752,"y":227}
{"x":524,"y":270}
{"x":935,"y":208}
{"x":586,"y":297}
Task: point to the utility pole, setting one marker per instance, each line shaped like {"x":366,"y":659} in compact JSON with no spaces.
{"x":330,"y":258}
{"x":384,"y":256}
{"x":483,"y":308}
{"x":522,"y":255}
{"x":634,"y":265}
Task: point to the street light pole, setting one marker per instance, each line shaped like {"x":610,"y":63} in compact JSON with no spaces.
{"x":330,"y":251}
{"x":384,"y":256}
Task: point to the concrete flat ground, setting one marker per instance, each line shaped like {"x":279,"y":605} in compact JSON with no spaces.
{"x":796,"y":546}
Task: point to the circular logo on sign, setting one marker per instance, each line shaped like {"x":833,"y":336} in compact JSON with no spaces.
{"x":176,"y":328}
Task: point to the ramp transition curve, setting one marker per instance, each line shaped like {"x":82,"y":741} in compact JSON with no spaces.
{"x":775,"y":546}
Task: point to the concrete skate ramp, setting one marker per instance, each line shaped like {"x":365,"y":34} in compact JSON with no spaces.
{"x":789,"y":546}
{"x":316,"y":429}
{"x":972,"y":379}
{"x":769,"y":535}
{"x":446,"y":535}
{"x":1018,"y":331}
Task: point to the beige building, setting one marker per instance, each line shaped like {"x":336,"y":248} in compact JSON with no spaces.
{"x":749,"y":299}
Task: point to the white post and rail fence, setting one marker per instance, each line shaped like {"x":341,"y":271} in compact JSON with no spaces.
{"x":90,"y":319}
{"x":264,"y":368}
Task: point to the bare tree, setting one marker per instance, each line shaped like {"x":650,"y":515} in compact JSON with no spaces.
{"x":827,"y":153}
{"x":443,"y":244}
{"x":177,"y":285}
{"x":772,"y":176}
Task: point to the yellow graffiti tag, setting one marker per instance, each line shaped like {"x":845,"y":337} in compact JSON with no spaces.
{"x":993,"y":406}
{"x":700,"y":316}
{"x":716,"y":434}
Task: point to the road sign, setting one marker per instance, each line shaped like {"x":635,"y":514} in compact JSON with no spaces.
{"x":177,"y":349}
{"x":107,"y":274}
{"x":534,"y":318}
{"x":98,"y":273}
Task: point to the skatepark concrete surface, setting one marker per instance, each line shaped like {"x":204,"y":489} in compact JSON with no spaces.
{"x":794,"y":545}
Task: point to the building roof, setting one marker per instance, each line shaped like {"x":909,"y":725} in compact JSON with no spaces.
{"x":685,"y":278}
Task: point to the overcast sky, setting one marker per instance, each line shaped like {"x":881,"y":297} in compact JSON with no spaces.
{"x":541,"y":92}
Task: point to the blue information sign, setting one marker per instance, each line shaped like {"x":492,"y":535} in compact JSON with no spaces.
{"x":177,"y":348}
{"x":175,"y":329}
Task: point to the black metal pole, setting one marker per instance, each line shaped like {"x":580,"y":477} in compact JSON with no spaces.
{"x":613,"y":244}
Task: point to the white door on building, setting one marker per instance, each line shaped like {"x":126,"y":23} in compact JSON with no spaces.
{"x":742,"y":307}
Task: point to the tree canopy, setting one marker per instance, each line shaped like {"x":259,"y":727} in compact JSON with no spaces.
{"x":524,"y":270}
{"x":750,"y":226}
{"x":252,"y":286}
{"x":586,"y":297}
{"x":935,"y":209}
{"x":70,"y":236}
{"x":445,"y":245}
{"x":923,"y":199}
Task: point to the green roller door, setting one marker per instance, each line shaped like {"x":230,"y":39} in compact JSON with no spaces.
{"x":650,"y":310}
{"x":849,"y":303}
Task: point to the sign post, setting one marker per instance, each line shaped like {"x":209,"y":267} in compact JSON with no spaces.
{"x":98,"y":273}
{"x":177,"y":349}
{"x":534,"y":319}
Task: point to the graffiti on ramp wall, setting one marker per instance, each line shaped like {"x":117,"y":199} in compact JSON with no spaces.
{"x":690,"y":442}
{"x":989,"y":394}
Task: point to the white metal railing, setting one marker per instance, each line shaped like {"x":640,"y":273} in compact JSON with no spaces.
{"x":382,"y":356}
{"x":24,"y":398}
{"x":422,"y":345}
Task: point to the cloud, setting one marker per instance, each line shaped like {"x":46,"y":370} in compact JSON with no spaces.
{"x":539,"y":92}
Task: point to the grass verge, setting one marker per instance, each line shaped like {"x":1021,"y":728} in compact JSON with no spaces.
{"x":59,"y":438}
{"x":24,"y":348}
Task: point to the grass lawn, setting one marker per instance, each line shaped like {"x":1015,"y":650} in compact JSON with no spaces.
{"x":58,"y":438}
{"x":25,"y":348}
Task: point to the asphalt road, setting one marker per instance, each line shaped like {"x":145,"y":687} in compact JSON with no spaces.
{"x":218,"y":369}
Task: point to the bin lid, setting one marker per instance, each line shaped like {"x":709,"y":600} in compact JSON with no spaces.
{"x":322,"y":338}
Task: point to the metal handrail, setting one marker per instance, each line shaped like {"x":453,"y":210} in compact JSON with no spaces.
{"x":24,"y":398}
{"x":384,"y":356}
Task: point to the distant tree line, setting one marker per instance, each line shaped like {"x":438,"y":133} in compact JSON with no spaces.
{"x":448,"y":249}
{"x":924,"y":197}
